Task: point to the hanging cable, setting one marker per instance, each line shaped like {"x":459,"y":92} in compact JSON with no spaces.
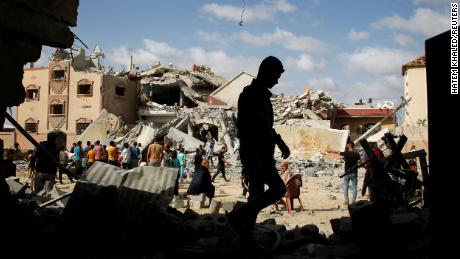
{"x":242,"y":13}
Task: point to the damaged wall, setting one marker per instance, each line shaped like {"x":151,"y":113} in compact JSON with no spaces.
{"x":120,"y":97}
{"x":304,"y":141}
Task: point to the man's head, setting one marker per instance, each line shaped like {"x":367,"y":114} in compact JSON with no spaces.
{"x":88,"y":143}
{"x":284,"y":166}
{"x":97,"y":143}
{"x":270,"y":71}
{"x":79,"y":143}
{"x":350,"y":146}
{"x":205,"y":163}
{"x":51,"y":137}
{"x":112,"y":143}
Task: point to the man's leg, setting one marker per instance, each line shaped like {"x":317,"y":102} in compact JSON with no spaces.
{"x":215,"y":175}
{"x":354,"y":186}
{"x":39,"y":182}
{"x":49,"y":183}
{"x":346,"y":180}
{"x":223,"y":174}
{"x":258,"y":199}
{"x":60,"y":175}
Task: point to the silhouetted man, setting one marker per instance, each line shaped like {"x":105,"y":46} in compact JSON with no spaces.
{"x":44,"y":167}
{"x":257,"y":148}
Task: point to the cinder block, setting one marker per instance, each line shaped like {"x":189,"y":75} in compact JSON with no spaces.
{"x":195,"y":205}
{"x":199,"y":197}
{"x":214,"y":207}
{"x":228,"y":206}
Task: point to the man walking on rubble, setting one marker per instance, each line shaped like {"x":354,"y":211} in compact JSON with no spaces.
{"x":221,"y":164}
{"x":255,"y":129}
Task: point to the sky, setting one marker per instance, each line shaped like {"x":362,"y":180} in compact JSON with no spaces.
{"x":350,"y":49}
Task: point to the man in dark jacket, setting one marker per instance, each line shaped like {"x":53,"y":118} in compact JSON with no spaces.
{"x":45,"y":168}
{"x":257,"y":148}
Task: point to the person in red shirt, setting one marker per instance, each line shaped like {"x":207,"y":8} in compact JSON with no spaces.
{"x":367,"y":177}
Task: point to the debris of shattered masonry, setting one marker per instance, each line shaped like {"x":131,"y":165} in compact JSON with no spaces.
{"x":311,"y":105}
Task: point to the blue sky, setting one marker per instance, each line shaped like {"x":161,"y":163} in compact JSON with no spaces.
{"x":350,"y":49}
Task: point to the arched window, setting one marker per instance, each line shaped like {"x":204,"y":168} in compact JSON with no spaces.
{"x":31,"y":125}
{"x":32,"y":92}
{"x":85,"y":87}
{"x":57,"y":107}
{"x":58,"y":73}
{"x":81,"y":125}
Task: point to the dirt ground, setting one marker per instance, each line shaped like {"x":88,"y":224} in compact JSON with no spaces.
{"x":321,"y":197}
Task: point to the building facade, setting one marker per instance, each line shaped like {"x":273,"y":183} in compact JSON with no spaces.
{"x":359,"y":119}
{"x":68,"y":94}
{"x":416,"y":111}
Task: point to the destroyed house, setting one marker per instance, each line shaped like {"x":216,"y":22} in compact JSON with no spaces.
{"x":229,"y":93}
{"x":171,"y":85}
{"x":67,"y":96}
{"x":359,"y":119}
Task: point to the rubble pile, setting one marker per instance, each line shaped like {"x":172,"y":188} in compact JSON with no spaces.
{"x":196,"y":84}
{"x":313,"y":105}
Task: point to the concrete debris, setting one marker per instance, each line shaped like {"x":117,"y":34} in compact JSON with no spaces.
{"x":16,"y":187}
{"x":178,"y":137}
{"x":106,"y":127}
{"x":293,"y":110}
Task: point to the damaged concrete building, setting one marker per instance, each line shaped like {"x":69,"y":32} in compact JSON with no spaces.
{"x":68,"y":94}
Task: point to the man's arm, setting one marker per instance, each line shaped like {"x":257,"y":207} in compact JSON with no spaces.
{"x":285,"y":152}
{"x":148,"y":153}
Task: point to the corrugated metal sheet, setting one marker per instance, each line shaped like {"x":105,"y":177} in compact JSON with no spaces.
{"x":158,"y":180}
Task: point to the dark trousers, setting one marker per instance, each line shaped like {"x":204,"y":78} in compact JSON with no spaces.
{"x":126,"y":165}
{"x":259,"y":199}
{"x":113,"y":162}
{"x":220,"y":170}
{"x":61,"y":172}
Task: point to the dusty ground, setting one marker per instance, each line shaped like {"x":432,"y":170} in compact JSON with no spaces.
{"x":320,"y":203}
{"x":321,"y":197}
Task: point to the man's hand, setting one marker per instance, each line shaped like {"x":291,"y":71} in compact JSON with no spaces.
{"x":285,"y":152}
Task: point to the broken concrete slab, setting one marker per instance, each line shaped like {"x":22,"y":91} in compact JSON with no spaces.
{"x":16,"y":187}
{"x":56,"y":193}
{"x":304,"y":141}
{"x":189,"y":143}
{"x":103,"y":128}
{"x":146,"y":136}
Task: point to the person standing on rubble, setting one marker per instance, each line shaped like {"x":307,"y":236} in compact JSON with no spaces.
{"x":78,"y":156}
{"x":167,"y":156}
{"x":197,"y":159}
{"x":44,"y":167}
{"x":352,"y":160}
{"x":155,"y":153}
{"x":135,"y":152}
{"x":98,"y":152}
{"x":182,"y":162}
{"x":112,"y":154}
{"x":126,"y":156}
{"x":257,"y":149}
{"x":85,"y":155}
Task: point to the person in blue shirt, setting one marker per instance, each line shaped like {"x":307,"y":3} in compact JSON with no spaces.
{"x":135,"y":151}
